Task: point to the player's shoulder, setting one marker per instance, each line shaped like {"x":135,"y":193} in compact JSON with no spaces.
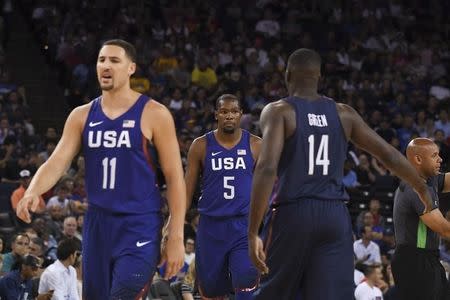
{"x":198,"y":146}
{"x":254,"y":138}
{"x":277,"y":108}
{"x":155,"y":108}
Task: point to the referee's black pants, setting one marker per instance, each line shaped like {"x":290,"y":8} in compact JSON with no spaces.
{"x":419,"y":275}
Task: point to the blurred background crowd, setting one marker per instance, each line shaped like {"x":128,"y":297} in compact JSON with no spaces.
{"x":388,"y":59}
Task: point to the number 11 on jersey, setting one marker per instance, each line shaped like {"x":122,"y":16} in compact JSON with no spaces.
{"x":109,"y":172}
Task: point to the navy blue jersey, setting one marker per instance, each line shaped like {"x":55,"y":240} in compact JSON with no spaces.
{"x":119,"y":173}
{"x":312,"y":162}
{"x":227,"y":178}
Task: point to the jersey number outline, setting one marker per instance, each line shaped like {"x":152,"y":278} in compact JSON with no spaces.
{"x":109,"y":172}
{"x":229,"y":189}
{"x":321,"y":159}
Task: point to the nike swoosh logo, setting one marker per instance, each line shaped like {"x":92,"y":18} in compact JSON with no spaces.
{"x":140,"y":244}
{"x":93,"y":124}
{"x":215,"y":153}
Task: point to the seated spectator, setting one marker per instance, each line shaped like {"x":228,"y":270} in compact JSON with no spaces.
{"x":349,"y":179}
{"x":366,"y":251}
{"x":377,"y":231}
{"x":367,"y":289}
{"x":444,"y":149}
{"x":17,"y":284}
{"x":204,"y":76}
{"x":443,"y":123}
{"x":189,"y":288}
{"x":25,"y":179}
{"x":61,"y":276}
{"x":20,"y":244}
{"x":189,"y":250}
{"x":374,"y":208}
{"x":70,"y":226}
{"x":364,"y":171}
{"x":40,"y":226}
{"x":61,"y":199}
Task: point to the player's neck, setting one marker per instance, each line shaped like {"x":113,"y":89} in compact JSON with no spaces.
{"x":228,"y":140}
{"x":304,"y":92}
{"x":370,"y":283}
{"x":119,"y":97}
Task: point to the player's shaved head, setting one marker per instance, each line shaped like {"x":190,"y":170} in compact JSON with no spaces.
{"x":418,"y":146}
{"x":305,"y":61}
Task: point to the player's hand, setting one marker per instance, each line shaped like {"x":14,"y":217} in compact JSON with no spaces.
{"x":173,"y":255}
{"x":256,"y":252}
{"x":426,"y":199}
{"x":24,"y":206}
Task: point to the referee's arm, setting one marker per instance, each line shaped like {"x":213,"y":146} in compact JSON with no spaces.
{"x":436,"y":222}
{"x":446,"y":188}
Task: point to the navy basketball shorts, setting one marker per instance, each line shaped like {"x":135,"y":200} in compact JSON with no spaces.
{"x":309,"y":252}
{"x":221,"y":258}
{"x":120,"y":253}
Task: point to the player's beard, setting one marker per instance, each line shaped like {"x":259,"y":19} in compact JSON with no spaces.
{"x":229,"y":130}
{"x":107,"y":87}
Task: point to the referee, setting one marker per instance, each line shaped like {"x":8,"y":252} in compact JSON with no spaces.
{"x":418,"y":274}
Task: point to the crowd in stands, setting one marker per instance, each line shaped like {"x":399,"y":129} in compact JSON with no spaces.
{"x":387,"y":59}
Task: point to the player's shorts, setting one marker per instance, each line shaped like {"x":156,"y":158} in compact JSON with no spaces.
{"x":221,"y":256}
{"x":120,"y":253}
{"x":419,"y":275}
{"x":309,"y":252}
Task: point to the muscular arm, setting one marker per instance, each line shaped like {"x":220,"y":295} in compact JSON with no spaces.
{"x":195,"y":157}
{"x":436,"y":222}
{"x":365,"y":138}
{"x":273,"y":130}
{"x":49,"y":173}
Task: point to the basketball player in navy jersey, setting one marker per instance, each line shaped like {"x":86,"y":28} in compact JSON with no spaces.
{"x":225,"y":159}
{"x":122,"y":229}
{"x":308,"y":239}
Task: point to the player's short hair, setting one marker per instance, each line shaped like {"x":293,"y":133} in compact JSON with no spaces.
{"x":304,"y":57}
{"x":228,"y":97}
{"x":66,"y":248}
{"x":130,"y":50}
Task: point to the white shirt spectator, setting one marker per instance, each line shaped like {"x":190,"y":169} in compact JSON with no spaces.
{"x":440,"y":92}
{"x":358,"y":277}
{"x":188,"y":258}
{"x":365,"y":292}
{"x":445,"y":127}
{"x":54,"y":201}
{"x":269,"y":27}
{"x":60,"y":279}
{"x":362,"y":251}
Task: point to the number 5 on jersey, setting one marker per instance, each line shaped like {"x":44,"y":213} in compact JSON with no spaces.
{"x":229,"y":189}
{"x":321,"y":159}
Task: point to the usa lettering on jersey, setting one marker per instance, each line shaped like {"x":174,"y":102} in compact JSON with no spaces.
{"x":228,"y":163}
{"x":109,"y":139}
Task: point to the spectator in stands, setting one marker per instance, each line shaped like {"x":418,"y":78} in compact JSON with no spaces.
{"x":364,"y":173}
{"x":387,"y":244}
{"x":20,"y":244}
{"x":17,"y":284}
{"x":377,"y":231}
{"x":61,"y":276}
{"x":55,"y":222}
{"x":349,"y":179}
{"x":61,"y":199}
{"x":204,"y":76}
{"x":189,"y":249}
{"x":368,"y":289}
{"x":444,"y":149}
{"x":443,"y":123}
{"x":25,"y":179}
{"x":50,"y":145}
{"x":70,"y":226}
{"x":366,"y":251}
{"x":189,"y":288}
{"x":49,"y":242}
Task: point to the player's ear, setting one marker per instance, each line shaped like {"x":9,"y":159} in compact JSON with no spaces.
{"x":215,"y":114}
{"x":132,"y":69}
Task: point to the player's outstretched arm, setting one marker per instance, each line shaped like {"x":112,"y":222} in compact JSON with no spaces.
{"x":52,"y":170}
{"x":367,"y":139}
{"x":195,"y":157}
{"x":272,"y":124}
{"x":165,"y":140}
